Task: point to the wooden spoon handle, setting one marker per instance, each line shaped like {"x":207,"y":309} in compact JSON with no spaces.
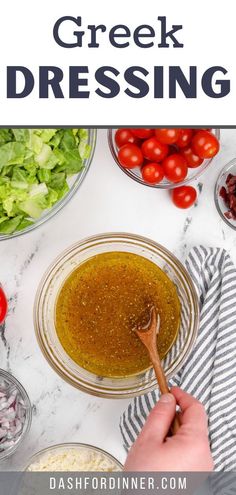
{"x":164,"y":389}
{"x":160,"y":376}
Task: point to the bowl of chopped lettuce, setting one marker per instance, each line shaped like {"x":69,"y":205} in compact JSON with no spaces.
{"x":40,"y":171}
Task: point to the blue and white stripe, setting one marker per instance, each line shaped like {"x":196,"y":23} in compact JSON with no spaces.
{"x":210,"y":371}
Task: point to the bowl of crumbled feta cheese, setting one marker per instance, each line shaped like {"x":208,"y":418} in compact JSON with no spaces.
{"x":73,"y":457}
{"x":15,"y":414}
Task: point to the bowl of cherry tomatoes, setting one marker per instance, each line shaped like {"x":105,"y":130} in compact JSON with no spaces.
{"x":165,"y":158}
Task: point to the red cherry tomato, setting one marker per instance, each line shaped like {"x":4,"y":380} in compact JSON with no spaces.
{"x":3,"y":306}
{"x":167,"y":136}
{"x":193,"y":160}
{"x":205,"y":144}
{"x":184,"y":196}
{"x":201,"y":129}
{"x":184,"y":138}
{"x":153,"y":150}
{"x":152,"y":173}
{"x":175,"y":168}
{"x":143,"y":133}
{"x":130,"y":156}
{"x":124,"y":136}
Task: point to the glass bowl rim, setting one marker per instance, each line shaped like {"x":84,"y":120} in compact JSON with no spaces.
{"x":85,"y":243}
{"x":163,"y":186}
{"x":223,"y":172}
{"x":77,"y":445}
{"x":28,"y":420}
{"x":58,"y":206}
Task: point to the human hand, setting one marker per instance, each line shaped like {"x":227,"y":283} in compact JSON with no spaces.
{"x":187,"y":450}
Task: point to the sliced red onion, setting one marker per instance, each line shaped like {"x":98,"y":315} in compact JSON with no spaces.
{"x":12,"y":415}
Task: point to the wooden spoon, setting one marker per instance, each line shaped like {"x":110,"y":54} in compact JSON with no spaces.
{"x":148,"y":336}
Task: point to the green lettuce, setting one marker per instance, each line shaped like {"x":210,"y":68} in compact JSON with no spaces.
{"x":34,"y":167}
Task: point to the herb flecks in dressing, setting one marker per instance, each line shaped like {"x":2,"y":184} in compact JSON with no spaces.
{"x":101,"y":303}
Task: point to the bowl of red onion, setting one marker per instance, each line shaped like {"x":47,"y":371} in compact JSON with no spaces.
{"x":15,"y":414}
{"x":225,"y":194}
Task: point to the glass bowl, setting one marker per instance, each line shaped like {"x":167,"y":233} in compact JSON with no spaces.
{"x":230,"y":168}
{"x":13,"y":383}
{"x":74,"y":183}
{"x":82,"y":447}
{"x":193,"y":173}
{"x":44,"y":314}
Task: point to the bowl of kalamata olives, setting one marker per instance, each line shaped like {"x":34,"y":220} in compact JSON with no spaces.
{"x":225,"y":194}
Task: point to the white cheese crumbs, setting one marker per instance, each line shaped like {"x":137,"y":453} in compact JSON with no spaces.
{"x":73,"y":459}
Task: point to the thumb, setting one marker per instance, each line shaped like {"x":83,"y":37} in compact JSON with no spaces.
{"x":160,"y":418}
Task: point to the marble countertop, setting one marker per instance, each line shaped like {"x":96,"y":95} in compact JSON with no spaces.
{"x":107,"y":201}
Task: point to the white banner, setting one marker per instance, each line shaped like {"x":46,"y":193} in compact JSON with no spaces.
{"x":105,"y":63}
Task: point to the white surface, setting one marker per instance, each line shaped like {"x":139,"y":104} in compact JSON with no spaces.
{"x":107,"y":201}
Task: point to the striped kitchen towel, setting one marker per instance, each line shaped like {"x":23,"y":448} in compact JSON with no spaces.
{"x":210,"y":371}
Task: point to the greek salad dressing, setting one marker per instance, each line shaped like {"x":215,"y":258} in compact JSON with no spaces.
{"x":101,"y":303}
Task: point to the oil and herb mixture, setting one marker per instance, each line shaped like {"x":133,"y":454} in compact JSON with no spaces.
{"x":101,"y":303}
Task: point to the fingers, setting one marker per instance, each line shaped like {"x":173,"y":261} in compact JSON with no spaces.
{"x":183,"y":399}
{"x":193,"y":412}
{"x":159,"y":420}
